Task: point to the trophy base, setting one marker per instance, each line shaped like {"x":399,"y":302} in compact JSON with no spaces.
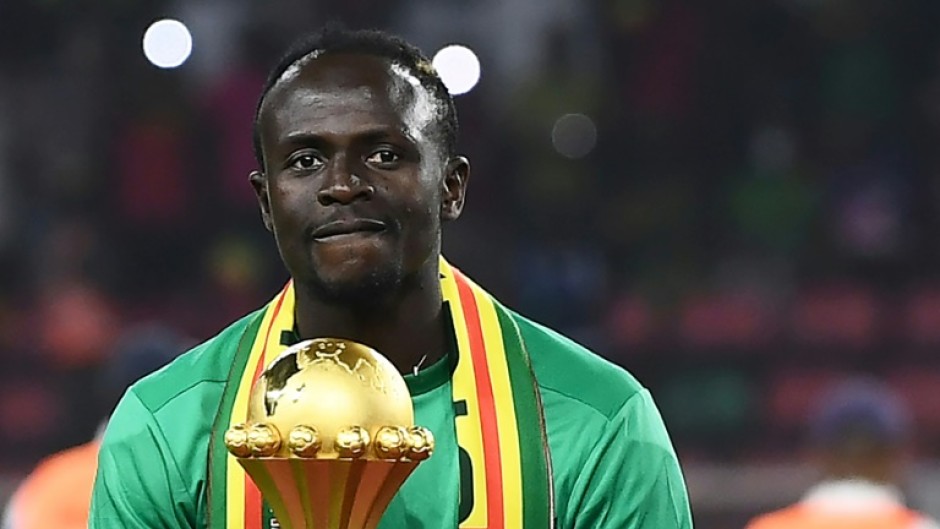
{"x":328,"y":493}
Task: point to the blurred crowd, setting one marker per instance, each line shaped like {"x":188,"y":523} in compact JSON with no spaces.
{"x":750,"y":212}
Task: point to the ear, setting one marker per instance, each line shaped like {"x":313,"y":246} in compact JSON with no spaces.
{"x":454,"y":188}
{"x":259,"y":181}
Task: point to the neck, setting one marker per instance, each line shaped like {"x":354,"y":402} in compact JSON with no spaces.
{"x":404,"y":326}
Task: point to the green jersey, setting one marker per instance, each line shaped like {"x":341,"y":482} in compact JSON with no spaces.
{"x":613,"y":465}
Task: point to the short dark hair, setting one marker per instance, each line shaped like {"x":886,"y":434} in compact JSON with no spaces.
{"x":336,"y":39}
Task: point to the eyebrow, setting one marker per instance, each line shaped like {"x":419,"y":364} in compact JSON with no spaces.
{"x":367,"y":136}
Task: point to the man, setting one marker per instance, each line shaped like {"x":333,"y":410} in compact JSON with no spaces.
{"x":57,"y":492}
{"x":858,"y":435}
{"x":355,"y":136}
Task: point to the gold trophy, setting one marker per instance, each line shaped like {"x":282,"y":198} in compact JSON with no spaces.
{"x":330,"y":436}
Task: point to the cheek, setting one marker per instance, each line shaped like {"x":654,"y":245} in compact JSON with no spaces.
{"x":423,"y":230}
{"x":423,"y":206}
{"x":286,"y":205}
{"x":288,"y":218}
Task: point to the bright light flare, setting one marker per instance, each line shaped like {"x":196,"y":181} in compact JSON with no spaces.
{"x":458,"y":67}
{"x":574,"y":135}
{"x":167,"y":43}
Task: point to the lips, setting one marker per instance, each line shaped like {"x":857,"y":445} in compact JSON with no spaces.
{"x":339,"y":228}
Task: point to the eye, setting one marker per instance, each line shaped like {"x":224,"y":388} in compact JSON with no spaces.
{"x":383,"y":158}
{"x":304,"y":161}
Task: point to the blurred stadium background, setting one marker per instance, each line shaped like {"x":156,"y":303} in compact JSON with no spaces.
{"x":737,"y":200}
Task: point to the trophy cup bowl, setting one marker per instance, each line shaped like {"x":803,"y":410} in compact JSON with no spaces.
{"x":330,"y":436}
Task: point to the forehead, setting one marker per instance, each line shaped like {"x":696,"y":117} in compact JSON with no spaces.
{"x":341,"y":92}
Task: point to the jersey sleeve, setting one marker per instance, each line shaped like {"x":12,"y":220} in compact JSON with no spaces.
{"x":138,"y":484}
{"x":632,"y":478}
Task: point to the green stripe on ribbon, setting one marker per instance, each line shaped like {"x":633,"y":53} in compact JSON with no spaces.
{"x":218,"y":454}
{"x":533,"y":443}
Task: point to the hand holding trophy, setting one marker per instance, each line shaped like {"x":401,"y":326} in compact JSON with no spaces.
{"x":330,"y":436}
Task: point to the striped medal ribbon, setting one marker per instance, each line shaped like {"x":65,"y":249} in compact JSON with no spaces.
{"x":502,"y":432}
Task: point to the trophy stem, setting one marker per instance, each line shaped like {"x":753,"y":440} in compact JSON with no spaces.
{"x":328,"y":494}
{"x":289,"y":504}
{"x":385,"y":489}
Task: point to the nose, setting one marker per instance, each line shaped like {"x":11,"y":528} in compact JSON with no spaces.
{"x":344,"y":188}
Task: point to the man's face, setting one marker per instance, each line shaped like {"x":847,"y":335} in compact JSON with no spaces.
{"x":354,"y":188}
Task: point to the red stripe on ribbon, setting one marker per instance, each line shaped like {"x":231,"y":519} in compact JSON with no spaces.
{"x":267,"y":336}
{"x":491,"y":456}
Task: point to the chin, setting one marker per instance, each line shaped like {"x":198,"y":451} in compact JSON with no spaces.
{"x":356,"y":283}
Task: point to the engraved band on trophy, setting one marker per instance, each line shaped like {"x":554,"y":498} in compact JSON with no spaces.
{"x":330,"y":436}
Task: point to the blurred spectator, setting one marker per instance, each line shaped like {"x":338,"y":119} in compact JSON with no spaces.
{"x":153,"y":192}
{"x":859,"y":436}
{"x":215,"y":25}
{"x":771,"y":203}
{"x":230,"y":106}
{"x":6,"y":187}
{"x":56,"y":495}
{"x":510,"y":34}
{"x":78,"y":325}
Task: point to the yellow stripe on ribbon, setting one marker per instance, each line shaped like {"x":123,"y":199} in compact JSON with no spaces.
{"x":464,"y":388}
{"x":505,"y":410}
{"x":278,"y":316}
